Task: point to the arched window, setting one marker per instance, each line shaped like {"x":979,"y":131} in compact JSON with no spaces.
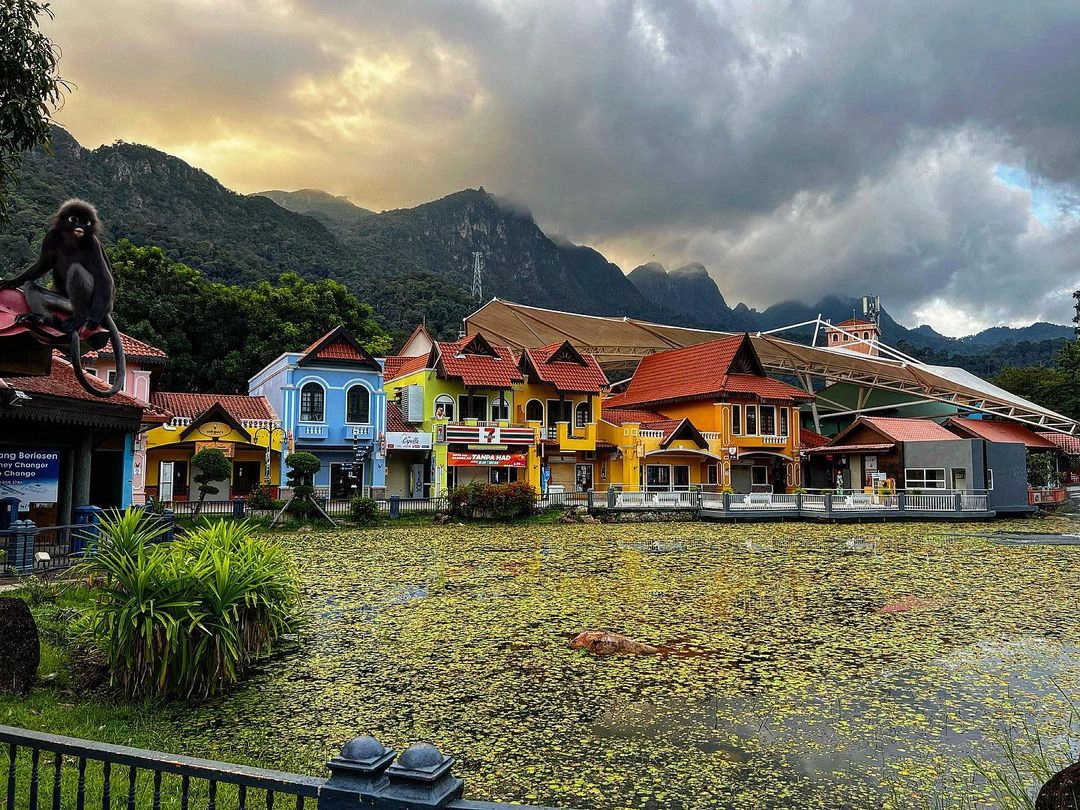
{"x":534,"y":411}
{"x":835,"y":337}
{"x":500,"y":410}
{"x":358,"y":406}
{"x":582,"y":414}
{"x":866,"y":335}
{"x":312,"y":402}
{"x":444,"y":407}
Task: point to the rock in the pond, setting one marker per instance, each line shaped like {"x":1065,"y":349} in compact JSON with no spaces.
{"x":20,"y":649}
{"x":601,"y":642}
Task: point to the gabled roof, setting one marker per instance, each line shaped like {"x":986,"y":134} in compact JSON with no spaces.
{"x":1069,"y":445}
{"x":395,"y":421}
{"x":134,"y":349}
{"x":622,"y":416}
{"x":996,"y":430}
{"x":898,"y":429}
{"x":420,"y":337}
{"x":564,"y":367}
{"x":399,"y":366}
{"x":808,"y":439}
{"x":192,"y":406}
{"x":684,"y":430}
{"x":216,"y":413}
{"x":703,"y":371}
{"x":475,"y":362}
{"x":338,"y":346}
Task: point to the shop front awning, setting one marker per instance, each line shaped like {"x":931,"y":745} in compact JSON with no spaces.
{"x":682,"y":452}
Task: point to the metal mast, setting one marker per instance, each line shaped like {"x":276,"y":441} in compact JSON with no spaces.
{"x":478,"y":278}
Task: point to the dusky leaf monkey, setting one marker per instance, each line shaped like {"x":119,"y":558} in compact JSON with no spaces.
{"x":83,"y":286}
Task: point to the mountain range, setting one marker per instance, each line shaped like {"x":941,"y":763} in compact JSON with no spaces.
{"x":410,"y":264}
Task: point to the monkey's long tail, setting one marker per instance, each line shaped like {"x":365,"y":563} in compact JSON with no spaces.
{"x":118,"y":352}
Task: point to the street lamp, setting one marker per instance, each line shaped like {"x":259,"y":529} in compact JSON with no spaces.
{"x":270,"y":431}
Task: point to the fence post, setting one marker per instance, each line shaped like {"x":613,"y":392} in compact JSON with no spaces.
{"x":421,"y":778}
{"x":356,"y":772}
{"x":901,"y":501}
{"x":589,"y":498}
{"x":798,"y":502}
{"x":87,"y":518}
{"x":9,"y":512}
{"x":21,"y":548}
{"x":395,"y":506}
{"x":238,"y":508}
{"x":828,"y":503}
{"x":610,"y":498}
{"x":958,"y":500}
{"x":727,"y":501}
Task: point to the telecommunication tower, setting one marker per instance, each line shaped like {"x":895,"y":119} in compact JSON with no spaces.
{"x":478,"y":278}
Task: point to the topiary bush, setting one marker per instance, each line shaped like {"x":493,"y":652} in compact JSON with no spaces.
{"x":260,"y":499}
{"x":186,"y":618}
{"x":500,"y":501}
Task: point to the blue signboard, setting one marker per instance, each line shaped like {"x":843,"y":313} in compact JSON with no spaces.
{"x":30,"y":474}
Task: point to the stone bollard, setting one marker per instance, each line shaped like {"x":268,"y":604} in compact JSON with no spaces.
{"x":901,"y":501}
{"x":421,"y":778}
{"x":828,"y":503}
{"x":727,"y":501}
{"x":798,"y":502}
{"x":958,"y":502}
{"x":362,"y":776}
{"x":611,"y":499}
{"x":238,"y":508}
{"x":169,"y":518}
{"x":395,"y":506}
{"x":87,"y":519}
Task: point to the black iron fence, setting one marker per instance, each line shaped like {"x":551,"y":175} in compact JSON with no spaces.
{"x":48,"y":770}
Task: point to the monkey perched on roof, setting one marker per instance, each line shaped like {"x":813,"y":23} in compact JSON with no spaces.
{"x":83,"y":286}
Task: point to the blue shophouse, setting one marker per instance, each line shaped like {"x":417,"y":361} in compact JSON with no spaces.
{"x":331,"y":402}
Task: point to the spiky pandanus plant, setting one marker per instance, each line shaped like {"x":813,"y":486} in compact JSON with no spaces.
{"x":187,"y":618}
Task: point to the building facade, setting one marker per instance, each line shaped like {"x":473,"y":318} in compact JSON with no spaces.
{"x":331,"y":403}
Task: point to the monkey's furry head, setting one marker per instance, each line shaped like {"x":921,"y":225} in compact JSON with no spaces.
{"x":78,"y":217}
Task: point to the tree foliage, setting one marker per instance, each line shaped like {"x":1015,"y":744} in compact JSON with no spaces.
{"x":211,"y":465}
{"x":1056,"y":388}
{"x":30,"y":86}
{"x":218,"y":335}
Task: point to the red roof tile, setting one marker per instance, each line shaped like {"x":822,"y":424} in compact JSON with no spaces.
{"x":856,"y":322}
{"x":1069,"y":445}
{"x":994,"y":430}
{"x":395,"y":422}
{"x":135,"y":349}
{"x":706,"y":370}
{"x":400,"y":366}
{"x":337,"y":345}
{"x":478,"y":370}
{"x":853,"y":448}
{"x":809,"y":439}
{"x":61,"y":382}
{"x":238,"y":406}
{"x":566,"y":374}
{"x":905,"y":430}
{"x":621,"y":416}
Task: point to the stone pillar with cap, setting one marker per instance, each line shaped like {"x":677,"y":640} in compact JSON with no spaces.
{"x":420,"y":778}
{"x":357,"y":775}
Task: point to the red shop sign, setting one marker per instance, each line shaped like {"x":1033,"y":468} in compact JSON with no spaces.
{"x":455,"y":459}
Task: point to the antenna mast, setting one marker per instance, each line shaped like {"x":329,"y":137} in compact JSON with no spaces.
{"x":478,"y":278}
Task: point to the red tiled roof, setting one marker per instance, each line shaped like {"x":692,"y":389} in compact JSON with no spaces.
{"x":400,"y":366}
{"x":238,"y":406}
{"x":395,"y":422}
{"x":666,"y":425}
{"x":478,"y":370}
{"x":808,"y":439}
{"x":620,"y":416}
{"x":337,"y":345}
{"x":994,"y":430}
{"x":61,"y":382}
{"x":856,"y":322}
{"x":339,"y":350}
{"x":702,"y":371}
{"x":1069,"y":445}
{"x":135,"y":349}
{"x":907,"y":430}
{"x":853,"y":448}
{"x":567,"y":375}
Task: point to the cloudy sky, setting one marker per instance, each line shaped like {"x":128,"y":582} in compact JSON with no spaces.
{"x":924,"y":150}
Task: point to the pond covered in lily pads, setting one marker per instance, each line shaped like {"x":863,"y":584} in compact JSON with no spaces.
{"x":795,"y":672}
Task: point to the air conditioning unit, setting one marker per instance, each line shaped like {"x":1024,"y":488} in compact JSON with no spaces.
{"x":412,"y":404}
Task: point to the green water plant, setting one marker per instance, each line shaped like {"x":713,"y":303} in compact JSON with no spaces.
{"x":186,"y":618}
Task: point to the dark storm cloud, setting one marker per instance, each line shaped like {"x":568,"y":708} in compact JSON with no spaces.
{"x":794,"y":148}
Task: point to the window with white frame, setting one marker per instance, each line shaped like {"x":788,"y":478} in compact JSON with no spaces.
{"x":444,"y":407}
{"x":500,"y":409}
{"x":990,"y":480}
{"x":759,"y":475}
{"x":736,"y":420}
{"x":657,"y":475}
{"x":534,"y":411}
{"x":358,"y":405}
{"x":111,"y":376}
{"x":582,"y":414}
{"x":768,"y":420}
{"x":924,"y":478}
{"x":312,"y":402}
{"x":751,"y":420}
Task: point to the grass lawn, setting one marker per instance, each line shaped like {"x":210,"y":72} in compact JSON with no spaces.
{"x":793,"y":673}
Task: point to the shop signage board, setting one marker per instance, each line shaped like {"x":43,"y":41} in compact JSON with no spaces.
{"x":408,"y":441}
{"x":31,"y":474}
{"x":228,"y":448}
{"x":455,"y":459}
{"x":489,"y":434}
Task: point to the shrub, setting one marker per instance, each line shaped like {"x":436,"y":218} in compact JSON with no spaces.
{"x":189,"y":617}
{"x":211,"y":465}
{"x":501,"y":501}
{"x":302,"y":468}
{"x":260,"y":498}
{"x":364,"y":510}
